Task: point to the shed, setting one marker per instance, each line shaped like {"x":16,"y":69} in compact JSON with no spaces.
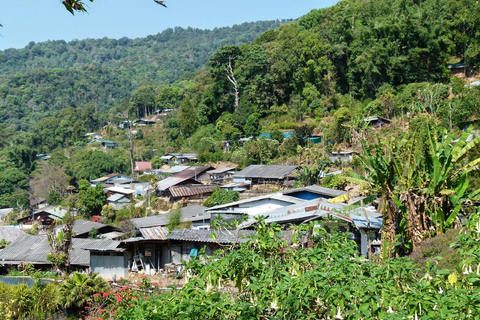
{"x":377,"y":121}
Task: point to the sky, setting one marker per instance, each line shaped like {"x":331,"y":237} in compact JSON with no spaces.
{"x":41,"y":20}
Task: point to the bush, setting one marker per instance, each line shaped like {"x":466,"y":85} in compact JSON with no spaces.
{"x":436,"y":252}
{"x":21,"y":302}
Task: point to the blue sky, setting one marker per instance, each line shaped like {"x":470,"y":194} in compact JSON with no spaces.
{"x":40,"y":20}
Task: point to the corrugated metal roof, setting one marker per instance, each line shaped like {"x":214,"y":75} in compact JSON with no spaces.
{"x":190,"y":190}
{"x":323,"y":191}
{"x":58,"y":212}
{"x":219,"y":236}
{"x":34,"y":249}
{"x":266,"y":171}
{"x":170,"y":182}
{"x":10,"y":233}
{"x":221,"y":170}
{"x":120,"y":190}
{"x":192,"y":172}
{"x":5,"y":211}
{"x":173,"y":170}
{"x":116,"y":197}
{"x":274,"y":196}
{"x":189,"y":213}
{"x":142,"y":165}
{"x":81,"y":226}
{"x":154,"y":233}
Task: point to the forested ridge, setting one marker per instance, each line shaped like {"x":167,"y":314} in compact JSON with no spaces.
{"x":42,"y":78}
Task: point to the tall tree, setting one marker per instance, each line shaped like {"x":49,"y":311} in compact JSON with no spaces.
{"x":224,"y":64}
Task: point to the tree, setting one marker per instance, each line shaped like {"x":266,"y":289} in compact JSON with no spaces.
{"x":60,"y":244}
{"x":91,"y":199}
{"x":187,"y":117}
{"x":52,"y":178}
{"x":143,"y":100}
{"x":223,"y":62}
{"x":421,"y":189}
{"x":79,"y":6}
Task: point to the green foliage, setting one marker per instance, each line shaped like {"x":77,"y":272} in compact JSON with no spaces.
{"x":21,"y":302}
{"x":438,"y":252}
{"x":221,"y":196}
{"x":91,"y":199}
{"x":54,"y":198}
{"x":310,"y":176}
{"x":174,"y":219}
{"x":322,"y":279}
{"x":79,"y":288}
{"x":4,"y":243}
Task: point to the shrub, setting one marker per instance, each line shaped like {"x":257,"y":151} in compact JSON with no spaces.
{"x":437,"y":252}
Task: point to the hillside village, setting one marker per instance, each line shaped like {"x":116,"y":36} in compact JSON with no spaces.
{"x":319,"y":168}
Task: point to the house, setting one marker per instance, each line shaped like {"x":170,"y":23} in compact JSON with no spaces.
{"x":342,"y":156}
{"x":118,"y":201}
{"x":124,"y":125}
{"x":44,"y":217}
{"x":144,"y":122}
{"x":460,"y":69}
{"x":34,"y":250}
{"x":93,"y":136}
{"x":165,"y":184}
{"x":377,"y":122}
{"x":266,"y":174}
{"x":155,"y":250}
{"x":141,"y":166}
{"x":106,"y":144}
{"x":179,"y":158}
{"x":113,"y":179}
{"x":235,"y":186}
{"x":365,"y":223}
{"x":256,"y":206}
{"x":128,"y":193}
{"x":219,"y":175}
{"x":37,"y":203}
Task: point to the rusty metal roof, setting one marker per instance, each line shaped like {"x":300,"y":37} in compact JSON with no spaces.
{"x":190,"y":190}
{"x":154,"y":233}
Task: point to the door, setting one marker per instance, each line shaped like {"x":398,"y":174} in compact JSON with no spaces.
{"x":176,"y":253}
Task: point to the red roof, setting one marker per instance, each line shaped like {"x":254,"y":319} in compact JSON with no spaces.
{"x":142,"y":165}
